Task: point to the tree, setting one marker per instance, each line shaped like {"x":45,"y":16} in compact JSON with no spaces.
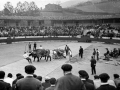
{"x":8,"y":9}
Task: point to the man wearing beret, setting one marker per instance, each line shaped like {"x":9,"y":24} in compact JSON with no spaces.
{"x":69,"y":81}
{"x":29,"y":82}
{"x":104,"y":77}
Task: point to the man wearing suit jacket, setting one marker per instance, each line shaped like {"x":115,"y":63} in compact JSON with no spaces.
{"x":29,"y":82}
{"x":69,"y":81}
{"x":81,"y":52}
{"x":104,"y":85}
{"x":83,"y":75}
{"x":3,"y":85}
{"x":93,"y":65}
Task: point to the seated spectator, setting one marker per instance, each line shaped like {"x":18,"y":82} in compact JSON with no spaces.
{"x":96,"y":81}
{"x":3,"y":84}
{"x":83,"y":75}
{"x":116,"y":79}
{"x":9,"y":79}
{"x":53,"y":83}
{"x":46,"y":84}
{"x":39,"y":78}
{"x":104,"y":77}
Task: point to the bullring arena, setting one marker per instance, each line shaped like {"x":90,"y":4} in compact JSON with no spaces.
{"x":53,"y":28}
{"x":11,"y":59}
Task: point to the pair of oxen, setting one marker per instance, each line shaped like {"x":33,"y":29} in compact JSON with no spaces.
{"x":39,"y":53}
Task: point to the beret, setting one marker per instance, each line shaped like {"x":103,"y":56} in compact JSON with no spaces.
{"x":66,"y":67}
{"x":30,"y":68}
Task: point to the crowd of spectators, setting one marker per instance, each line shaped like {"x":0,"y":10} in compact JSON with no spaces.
{"x":67,"y":82}
{"x":66,"y":30}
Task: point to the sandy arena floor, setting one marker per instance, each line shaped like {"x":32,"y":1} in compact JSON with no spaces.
{"x":11,"y":59}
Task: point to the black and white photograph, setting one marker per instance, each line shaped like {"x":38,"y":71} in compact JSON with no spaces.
{"x":60,"y":45}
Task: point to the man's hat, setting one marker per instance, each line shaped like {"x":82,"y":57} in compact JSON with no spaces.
{"x":29,"y":68}
{"x":66,"y":67}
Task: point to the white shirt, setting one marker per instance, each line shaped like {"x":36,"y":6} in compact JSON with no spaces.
{"x":111,"y":82}
{"x":40,"y":47}
{"x":97,"y":83}
{"x":9,"y":80}
{"x":26,"y":55}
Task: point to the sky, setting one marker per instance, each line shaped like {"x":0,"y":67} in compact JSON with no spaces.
{"x":39,"y":3}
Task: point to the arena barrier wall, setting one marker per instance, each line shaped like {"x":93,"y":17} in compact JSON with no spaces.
{"x":83,"y":39}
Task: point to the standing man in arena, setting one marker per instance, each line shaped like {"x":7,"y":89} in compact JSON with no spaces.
{"x":93,"y":65}
{"x":67,"y":49}
{"x":35,"y":45}
{"x":81,"y":52}
{"x":29,"y":47}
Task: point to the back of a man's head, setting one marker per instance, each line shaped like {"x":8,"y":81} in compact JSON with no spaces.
{"x":39,"y":78}
{"x":66,"y":67}
{"x":2,"y":74}
{"x":10,"y":75}
{"x":83,"y":74}
{"x":104,"y":77}
{"x":29,"y":69}
{"x":116,"y":76}
{"x":18,"y":74}
{"x":52,"y":81}
{"x":96,"y":77}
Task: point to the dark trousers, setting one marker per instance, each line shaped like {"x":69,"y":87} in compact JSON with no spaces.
{"x":29,"y":60}
{"x":81,"y":55}
{"x":93,"y":69}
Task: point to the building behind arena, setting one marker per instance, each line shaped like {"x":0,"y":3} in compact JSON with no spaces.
{"x":55,"y":15}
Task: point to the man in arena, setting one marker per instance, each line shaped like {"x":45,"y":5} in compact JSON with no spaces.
{"x":29,"y":47}
{"x":40,"y":47}
{"x":35,"y":45}
{"x":26,"y":56}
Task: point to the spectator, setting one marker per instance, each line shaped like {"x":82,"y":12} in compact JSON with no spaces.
{"x":116,"y":79}
{"x":9,"y":79}
{"x":34,"y":75}
{"x":111,"y":82}
{"x":69,"y":81}
{"x":46,"y":84}
{"x":104,"y":77}
{"x":96,"y":81}
{"x":3,"y":84}
{"x":83,"y":76}
{"x":17,"y":76}
{"x":29,"y":82}
{"x":39,"y":78}
{"x":53,"y":83}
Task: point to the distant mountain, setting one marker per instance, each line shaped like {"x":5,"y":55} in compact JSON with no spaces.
{"x":99,"y":6}
{"x":71,"y":3}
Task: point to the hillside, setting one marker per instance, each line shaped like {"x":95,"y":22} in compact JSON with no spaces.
{"x":101,"y":6}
